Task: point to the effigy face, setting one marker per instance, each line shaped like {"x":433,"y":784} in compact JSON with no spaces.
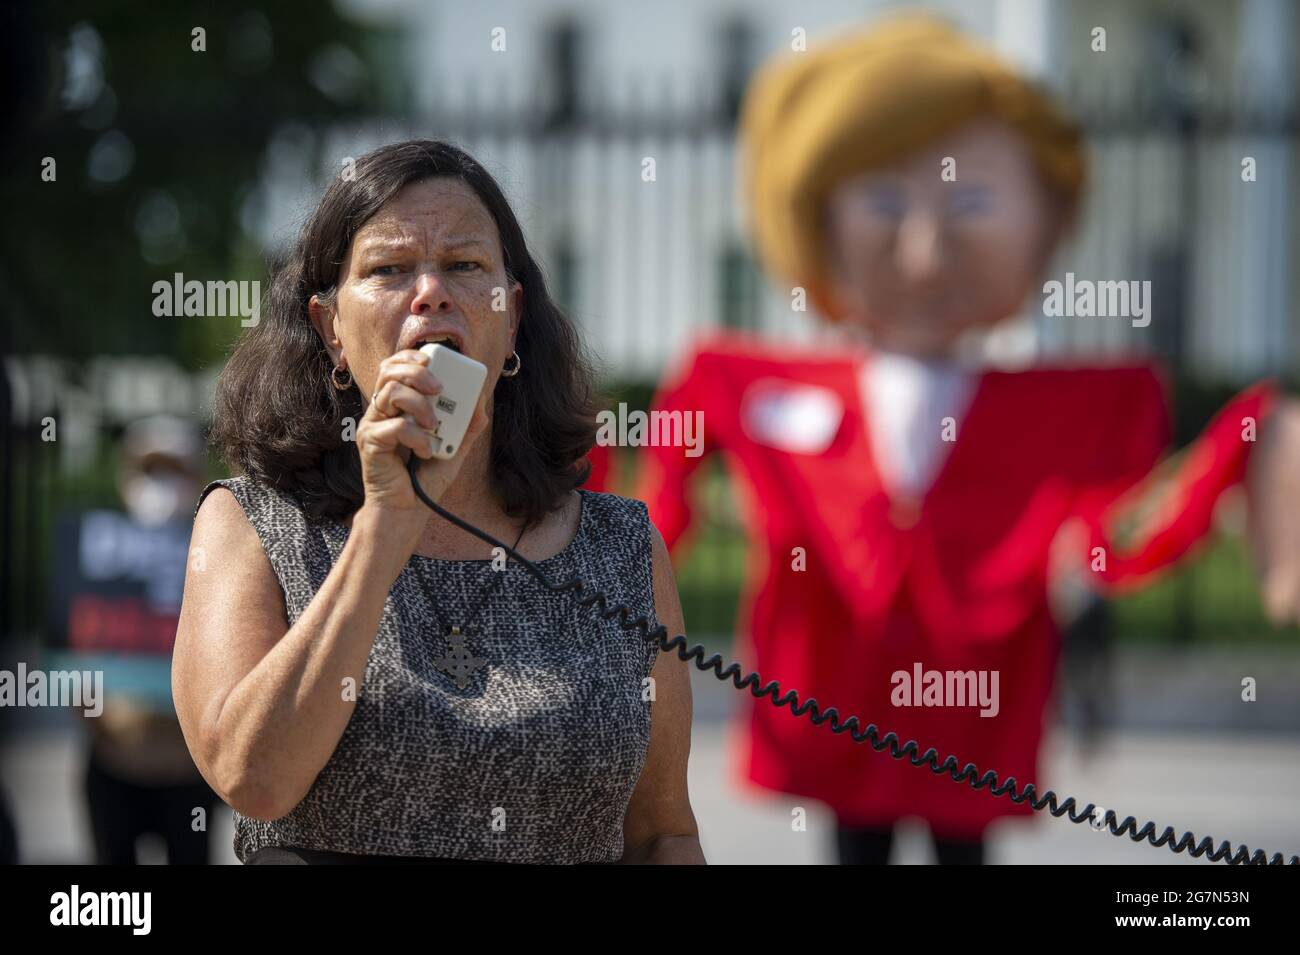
{"x":952,"y":238}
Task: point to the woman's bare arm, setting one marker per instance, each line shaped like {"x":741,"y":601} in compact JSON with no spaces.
{"x":262,"y":705}
{"x":659,"y":826}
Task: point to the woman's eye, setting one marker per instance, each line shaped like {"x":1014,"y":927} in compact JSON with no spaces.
{"x":886,"y":202}
{"x":969,"y":199}
{"x":384,"y":270}
{"x":465,"y":266}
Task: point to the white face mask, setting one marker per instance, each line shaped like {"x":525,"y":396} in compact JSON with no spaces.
{"x":156,"y":500}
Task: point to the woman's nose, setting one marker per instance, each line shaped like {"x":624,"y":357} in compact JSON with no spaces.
{"x":920,"y":247}
{"x":431,"y":294}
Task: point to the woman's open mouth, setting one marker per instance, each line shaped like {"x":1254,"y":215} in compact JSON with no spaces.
{"x":445,"y":340}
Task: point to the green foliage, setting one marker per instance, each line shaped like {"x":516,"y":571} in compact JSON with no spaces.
{"x":157,"y":147}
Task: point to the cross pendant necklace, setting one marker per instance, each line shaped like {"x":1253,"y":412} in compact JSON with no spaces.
{"x":459,"y":662}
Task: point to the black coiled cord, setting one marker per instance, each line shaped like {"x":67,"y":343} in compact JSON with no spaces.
{"x":871,"y":734}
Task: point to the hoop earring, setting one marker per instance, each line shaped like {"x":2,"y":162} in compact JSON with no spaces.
{"x":510,"y":372}
{"x":345,"y":383}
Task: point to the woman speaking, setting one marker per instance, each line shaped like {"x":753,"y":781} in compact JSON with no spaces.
{"x":359,"y":679}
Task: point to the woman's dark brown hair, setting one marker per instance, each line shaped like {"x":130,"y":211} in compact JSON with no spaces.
{"x":278,"y":419}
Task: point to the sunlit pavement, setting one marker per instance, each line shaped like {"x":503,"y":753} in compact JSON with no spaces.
{"x":1238,"y":785}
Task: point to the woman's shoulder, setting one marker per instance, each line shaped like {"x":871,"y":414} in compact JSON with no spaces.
{"x":613,"y":518}
{"x":613,"y":508}
{"x":270,"y":510}
{"x":235,"y":485}
{"x":251,"y":493}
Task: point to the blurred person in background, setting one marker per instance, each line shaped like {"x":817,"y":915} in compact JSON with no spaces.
{"x":139,"y":776}
{"x":902,"y":498}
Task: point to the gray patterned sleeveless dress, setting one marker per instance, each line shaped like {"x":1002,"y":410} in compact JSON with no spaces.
{"x":534,"y":761}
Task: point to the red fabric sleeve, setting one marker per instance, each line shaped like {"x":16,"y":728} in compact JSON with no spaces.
{"x":664,"y":473}
{"x":1212,"y":463}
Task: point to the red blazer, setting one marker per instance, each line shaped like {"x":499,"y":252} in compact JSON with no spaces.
{"x":954,"y":581}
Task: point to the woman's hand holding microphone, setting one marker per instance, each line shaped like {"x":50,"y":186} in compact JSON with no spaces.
{"x":399,"y":422}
